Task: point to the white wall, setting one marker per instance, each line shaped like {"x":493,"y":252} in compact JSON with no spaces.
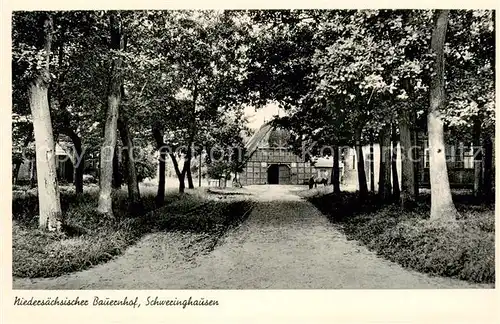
{"x":376,"y":159}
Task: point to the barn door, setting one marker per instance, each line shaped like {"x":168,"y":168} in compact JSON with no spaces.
{"x":284,"y":174}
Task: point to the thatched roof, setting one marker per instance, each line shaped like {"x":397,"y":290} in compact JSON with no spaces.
{"x":260,"y":136}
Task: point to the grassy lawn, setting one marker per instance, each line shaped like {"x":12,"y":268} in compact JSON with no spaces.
{"x":88,"y":241}
{"x":409,"y":238}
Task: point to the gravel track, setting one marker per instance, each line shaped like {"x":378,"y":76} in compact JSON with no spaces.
{"x":285,"y":243}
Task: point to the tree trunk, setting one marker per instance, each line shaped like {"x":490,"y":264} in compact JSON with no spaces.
{"x":185,"y":171}
{"x":336,"y":170}
{"x":160,"y":146}
{"x":477,"y":158}
{"x":488,"y":169}
{"x":395,"y":179}
{"x":80,"y":167}
{"x":80,"y":160}
{"x":187,"y":159}
{"x":79,"y":164}
{"x":182,"y":184}
{"x":384,"y":183}
{"x":408,"y":195}
{"x":15,"y":173}
{"x":199,"y":171}
{"x":372,"y":169}
{"x":117,"y":180}
{"x":50,"y":214}
{"x":33,"y":174}
{"x":160,"y":194}
{"x":180,"y":174}
{"x":363,"y":187}
{"x":417,"y":155}
{"x":134,"y":194}
{"x":442,"y":207}
{"x":114,"y":98}
{"x":189,"y":175}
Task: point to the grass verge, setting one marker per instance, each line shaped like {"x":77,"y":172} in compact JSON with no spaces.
{"x":466,"y":251}
{"x":87,"y":240}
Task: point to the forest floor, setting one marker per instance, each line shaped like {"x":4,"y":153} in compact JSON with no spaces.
{"x":286,"y":242}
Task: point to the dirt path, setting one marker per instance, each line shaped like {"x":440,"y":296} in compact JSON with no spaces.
{"x":285,"y":243}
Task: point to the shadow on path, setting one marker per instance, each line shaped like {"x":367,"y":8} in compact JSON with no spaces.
{"x":285,"y":243}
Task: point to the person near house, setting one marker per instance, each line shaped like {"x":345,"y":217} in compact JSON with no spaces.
{"x":311,"y":182}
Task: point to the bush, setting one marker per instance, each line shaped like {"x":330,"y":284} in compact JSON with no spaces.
{"x":88,"y":239}
{"x":409,"y":238}
{"x":145,"y":169}
{"x":458,"y":252}
{"x":39,"y":253}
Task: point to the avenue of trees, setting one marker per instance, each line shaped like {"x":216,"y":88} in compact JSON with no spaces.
{"x":349,"y":78}
{"x":178,"y":81}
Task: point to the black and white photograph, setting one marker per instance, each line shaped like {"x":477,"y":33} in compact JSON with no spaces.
{"x":253,"y":149}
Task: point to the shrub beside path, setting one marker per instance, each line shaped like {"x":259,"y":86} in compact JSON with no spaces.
{"x":285,"y":243}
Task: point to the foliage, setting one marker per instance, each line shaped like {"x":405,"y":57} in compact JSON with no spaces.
{"x":76,"y":63}
{"x":40,"y":254}
{"x":87,"y":241}
{"x":471,"y":59}
{"x":409,"y":238}
{"x":199,"y":61}
{"x":336,"y":73}
{"x":145,"y":169}
{"x":333,"y":71}
{"x":225,"y":147}
{"x":183,"y":68}
{"x":363,"y":68}
{"x":217,"y":170}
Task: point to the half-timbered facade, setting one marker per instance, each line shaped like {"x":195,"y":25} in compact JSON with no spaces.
{"x":270,"y":161}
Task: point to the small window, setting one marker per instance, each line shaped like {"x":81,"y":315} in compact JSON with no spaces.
{"x":294,"y":165}
{"x":461,"y":152}
{"x":263,"y":164}
{"x":450,"y":153}
{"x":469,"y":157}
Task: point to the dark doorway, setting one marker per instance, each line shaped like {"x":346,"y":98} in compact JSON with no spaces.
{"x":64,"y":169}
{"x":68,"y":166}
{"x":278,"y":174}
{"x":273,"y":174}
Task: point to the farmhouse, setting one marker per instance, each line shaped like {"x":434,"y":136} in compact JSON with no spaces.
{"x":269,"y":160}
{"x":65,"y":160}
{"x":459,"y":157}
